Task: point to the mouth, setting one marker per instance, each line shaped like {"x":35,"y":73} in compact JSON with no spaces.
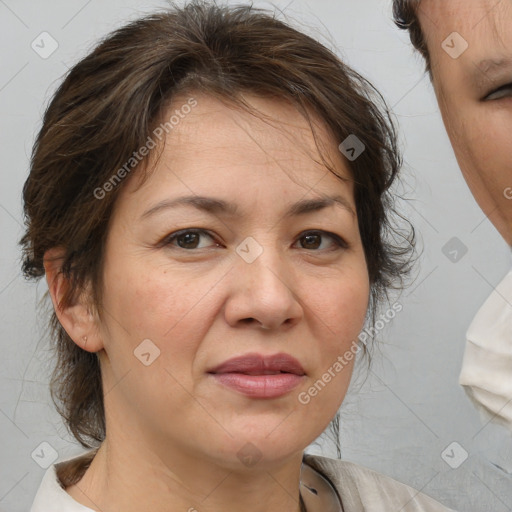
{"x":258,"y":376}
{"x":256,"y":364}
{"x":264,"y":372}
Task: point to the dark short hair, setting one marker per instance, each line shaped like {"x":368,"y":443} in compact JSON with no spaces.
{"x":110,"y":102}
{"x":405,"y":14}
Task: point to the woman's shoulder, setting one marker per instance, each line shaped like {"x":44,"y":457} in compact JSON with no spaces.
{"x":364,"y":490}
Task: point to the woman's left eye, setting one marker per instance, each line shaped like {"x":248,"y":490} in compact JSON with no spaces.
{"x":501,"y":92}
{"x":314,"y":240}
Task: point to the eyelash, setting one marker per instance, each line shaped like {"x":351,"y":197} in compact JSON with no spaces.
{"x":339,"y":242}
{"x":499,"y":90}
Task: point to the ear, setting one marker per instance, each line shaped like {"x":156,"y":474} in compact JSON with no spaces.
{"x":79,"y":319}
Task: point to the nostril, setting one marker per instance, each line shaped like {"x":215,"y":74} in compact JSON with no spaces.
{"x":253,"y":320}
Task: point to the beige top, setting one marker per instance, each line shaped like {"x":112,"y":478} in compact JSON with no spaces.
{"x":327,"y":485}
{"x":360,"y":489}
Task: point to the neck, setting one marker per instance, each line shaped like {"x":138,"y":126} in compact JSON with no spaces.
{"x":133,"y":477}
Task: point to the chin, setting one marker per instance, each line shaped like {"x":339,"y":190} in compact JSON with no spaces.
{"x":265,"y":448}
{"x":252,"y":457}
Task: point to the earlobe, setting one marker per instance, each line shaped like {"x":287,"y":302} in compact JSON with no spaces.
{"x":74,"y":312}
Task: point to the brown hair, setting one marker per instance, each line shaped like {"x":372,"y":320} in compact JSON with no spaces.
{"x":111,"y":101}
{"x":405,"y":13}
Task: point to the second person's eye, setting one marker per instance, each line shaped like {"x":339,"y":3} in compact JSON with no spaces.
{"x":502,"y":92}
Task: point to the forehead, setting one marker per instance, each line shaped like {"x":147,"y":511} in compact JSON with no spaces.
{"x":219,"y":136}
{"x":271,"y":129}
{"x":468,"y":37}
{"x":265,"y":120}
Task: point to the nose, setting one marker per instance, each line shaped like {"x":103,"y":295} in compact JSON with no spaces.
{"x":262,"y":294}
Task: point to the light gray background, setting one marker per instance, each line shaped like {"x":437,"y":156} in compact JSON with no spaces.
{"x":411,"y":407}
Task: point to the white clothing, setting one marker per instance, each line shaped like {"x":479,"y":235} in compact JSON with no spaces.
{"x":486,"y":373}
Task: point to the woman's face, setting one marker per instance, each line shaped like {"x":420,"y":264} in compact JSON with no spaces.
{"x":240,"y":243}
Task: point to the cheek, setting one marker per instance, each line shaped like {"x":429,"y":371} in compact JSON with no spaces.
{"x":144,"y":302}
{"x":172,"y":312}
{"x":340,"y":309}
{"x":344,"y":310}
{"x":483,"y":146}
{"x":352,"y":296}
{"x":492,"y":143}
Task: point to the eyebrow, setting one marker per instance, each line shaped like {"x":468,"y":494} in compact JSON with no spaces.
{"x":221,"y":207}
{"x":491,"y":70}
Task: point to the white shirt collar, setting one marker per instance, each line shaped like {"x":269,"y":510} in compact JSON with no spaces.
{"x":51,"y":496}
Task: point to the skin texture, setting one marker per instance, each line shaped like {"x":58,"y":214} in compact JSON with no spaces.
{"x":173,"y":432}
{"x":478,"y":122}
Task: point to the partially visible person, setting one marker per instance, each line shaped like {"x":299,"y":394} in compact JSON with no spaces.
{"x":467,"y":46}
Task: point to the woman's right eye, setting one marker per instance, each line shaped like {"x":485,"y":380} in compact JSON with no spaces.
{"x":187,"y":239}
{"x":502,"y":92}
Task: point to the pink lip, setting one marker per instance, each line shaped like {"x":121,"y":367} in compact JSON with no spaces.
{"x":260,"y":376}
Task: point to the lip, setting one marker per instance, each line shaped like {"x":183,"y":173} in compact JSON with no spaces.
{"x":259,"y":376}
{"x":257,"y":364}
